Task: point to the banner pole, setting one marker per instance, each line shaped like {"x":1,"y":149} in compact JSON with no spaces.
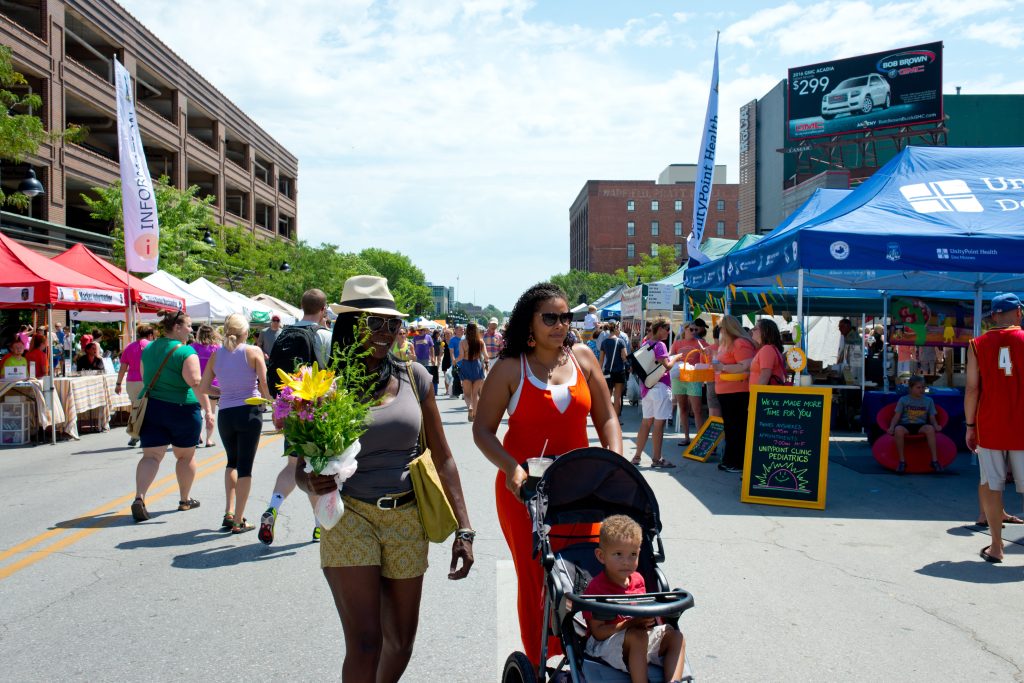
{"x":885,"y":341}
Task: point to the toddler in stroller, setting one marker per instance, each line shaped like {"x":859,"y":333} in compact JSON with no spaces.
{"x":629,"y":644}
{"x":586,"y":486}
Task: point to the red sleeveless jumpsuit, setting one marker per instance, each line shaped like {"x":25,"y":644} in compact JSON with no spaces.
{"x":536,"y":419}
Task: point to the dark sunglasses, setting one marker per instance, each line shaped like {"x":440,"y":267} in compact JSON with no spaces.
{"x":550,"y":319}
{"x":375,"y":322}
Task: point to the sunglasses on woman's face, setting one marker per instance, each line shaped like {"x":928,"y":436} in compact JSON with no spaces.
{"x":375,"y":322}
{"x":550,"y":319}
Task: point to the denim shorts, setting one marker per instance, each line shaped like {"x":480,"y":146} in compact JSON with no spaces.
{"x":177,"y":424}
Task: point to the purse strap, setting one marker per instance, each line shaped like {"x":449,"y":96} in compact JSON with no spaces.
{"x":159,"y":370}
{"x":416,"y":393}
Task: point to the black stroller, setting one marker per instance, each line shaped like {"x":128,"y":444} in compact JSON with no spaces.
{"x":586,"y":486}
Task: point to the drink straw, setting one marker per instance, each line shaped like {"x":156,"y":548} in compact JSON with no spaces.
{"x":544,"y":448}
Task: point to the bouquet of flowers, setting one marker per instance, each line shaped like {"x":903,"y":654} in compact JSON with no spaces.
{"x":324,"y":414}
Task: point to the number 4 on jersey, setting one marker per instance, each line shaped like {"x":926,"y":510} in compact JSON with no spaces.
{"x":1005,"y":364}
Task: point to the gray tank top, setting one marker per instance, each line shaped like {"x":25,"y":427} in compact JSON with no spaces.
{"x":391,"y":442}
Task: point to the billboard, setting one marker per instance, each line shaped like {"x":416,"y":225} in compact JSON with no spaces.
{"x":901,"y":87}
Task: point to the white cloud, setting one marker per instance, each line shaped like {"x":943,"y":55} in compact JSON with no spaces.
{"x":461,"y":132}
{"x":997,"y":32}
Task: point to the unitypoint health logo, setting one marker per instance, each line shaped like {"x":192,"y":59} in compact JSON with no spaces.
{"x":940,"y":196}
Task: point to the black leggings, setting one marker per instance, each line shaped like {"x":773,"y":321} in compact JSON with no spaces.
{"x":240,"y":429}
{"x":734,"y":420}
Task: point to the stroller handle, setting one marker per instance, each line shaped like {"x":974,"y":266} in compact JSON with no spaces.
{"x":645,"y":605}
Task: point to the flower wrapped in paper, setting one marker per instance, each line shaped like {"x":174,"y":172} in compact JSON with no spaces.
{"x":324,"y":415}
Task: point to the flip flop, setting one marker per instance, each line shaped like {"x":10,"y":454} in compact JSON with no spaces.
{"x":989,"y":558}
{"x":663,"y":464}
{"x":684,"y":442}
{"x":636,"y":461}
{"x":1012,"y":519}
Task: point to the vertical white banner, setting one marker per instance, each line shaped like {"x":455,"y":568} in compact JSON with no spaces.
{"x":138,"y":200}
{"x":705,"y":172}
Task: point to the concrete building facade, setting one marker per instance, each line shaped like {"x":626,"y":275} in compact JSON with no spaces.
{"x":613,"y":222}
{"x":190,"y":131}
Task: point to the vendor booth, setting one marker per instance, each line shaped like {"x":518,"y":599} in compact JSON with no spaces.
{"x":29,"y":280}
{"x":933,"y":222}
{"x":285,"y":309}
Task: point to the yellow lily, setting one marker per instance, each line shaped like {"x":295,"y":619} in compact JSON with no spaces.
{"x":308,"y":385}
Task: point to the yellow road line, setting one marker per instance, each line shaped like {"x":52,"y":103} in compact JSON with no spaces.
{"x":204,"y":469}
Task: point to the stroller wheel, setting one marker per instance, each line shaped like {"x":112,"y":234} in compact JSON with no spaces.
{"x":518,"y":670}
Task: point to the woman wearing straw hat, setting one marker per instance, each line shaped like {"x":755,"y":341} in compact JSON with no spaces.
{"x":375,"y":558}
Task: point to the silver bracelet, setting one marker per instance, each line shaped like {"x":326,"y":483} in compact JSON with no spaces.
{"x":466,"y":535}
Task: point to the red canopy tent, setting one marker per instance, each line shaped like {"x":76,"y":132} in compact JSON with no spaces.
{"x":145,"y":296}
{"x":30,"y":280}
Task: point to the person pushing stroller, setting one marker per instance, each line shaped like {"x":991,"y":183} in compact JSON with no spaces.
{"x":623,"y":643}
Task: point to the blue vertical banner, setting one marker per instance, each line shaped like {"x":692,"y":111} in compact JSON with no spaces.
{"x":705,"y":172}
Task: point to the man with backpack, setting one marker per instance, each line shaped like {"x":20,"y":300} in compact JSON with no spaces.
{"x":300,"y":344}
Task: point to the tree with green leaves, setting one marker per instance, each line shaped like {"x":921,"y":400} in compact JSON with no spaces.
{"x":589,"y":286}
{"x":21,"y":131}
{"x":184,"y":219}
{"x":406,"y":282}
{"x":651,"y":268}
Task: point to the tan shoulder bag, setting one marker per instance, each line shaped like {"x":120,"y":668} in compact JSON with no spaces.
{"x":138,"y":413}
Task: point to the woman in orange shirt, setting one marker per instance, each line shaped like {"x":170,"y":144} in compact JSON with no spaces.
{"x":548,"y":388}
{"x":37,"y":355}
{"x":769,"y":361}
{"x":732,"y":385}
{"x":687,"y":394}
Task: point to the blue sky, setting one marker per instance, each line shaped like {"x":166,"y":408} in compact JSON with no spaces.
{"x":460,"y":133}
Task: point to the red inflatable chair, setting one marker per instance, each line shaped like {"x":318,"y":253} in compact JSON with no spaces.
{"x":915,"y":447}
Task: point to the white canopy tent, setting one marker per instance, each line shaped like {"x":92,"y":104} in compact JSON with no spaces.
{"x":257,"y":311}
{"x":222,"y":302}
{"x":283,"y":307}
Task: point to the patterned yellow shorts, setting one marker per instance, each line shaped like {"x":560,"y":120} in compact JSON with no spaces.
{"x":367,"y":536}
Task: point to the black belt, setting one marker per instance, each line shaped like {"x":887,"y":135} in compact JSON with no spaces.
{"x":390,"y":502}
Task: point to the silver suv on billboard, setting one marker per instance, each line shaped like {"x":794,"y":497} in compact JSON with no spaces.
{"x":857,"y":95}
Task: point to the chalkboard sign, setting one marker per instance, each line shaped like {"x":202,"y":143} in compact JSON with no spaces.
{"x":706,"y":442}
{"x":786,"y":459}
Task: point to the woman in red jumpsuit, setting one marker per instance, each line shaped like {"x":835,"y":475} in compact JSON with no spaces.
{"x":548,"y":388}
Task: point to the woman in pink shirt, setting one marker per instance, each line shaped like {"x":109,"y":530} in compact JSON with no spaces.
{"x":207,"y":342}
{"x":732,"y":385}
{"x":768,"y":362}
{"x":131,"y":367}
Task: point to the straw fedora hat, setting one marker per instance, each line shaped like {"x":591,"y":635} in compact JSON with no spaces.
{"x":367,"y":294}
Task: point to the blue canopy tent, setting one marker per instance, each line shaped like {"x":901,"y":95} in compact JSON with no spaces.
{"x":934,"y":221}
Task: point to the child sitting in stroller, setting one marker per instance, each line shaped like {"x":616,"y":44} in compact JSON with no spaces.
{"x":629,"y":644}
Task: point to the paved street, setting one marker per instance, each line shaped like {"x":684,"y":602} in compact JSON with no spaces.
{"x":885,"y":584}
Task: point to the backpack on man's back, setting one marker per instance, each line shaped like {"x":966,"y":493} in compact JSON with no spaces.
{"x":294,"y":346}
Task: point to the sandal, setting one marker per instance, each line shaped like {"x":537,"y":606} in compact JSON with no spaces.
{"x":1012,"y":519}
{"x":189,"y":504}
{"x":936,"y":466}
{"x":662,"y":464}
{"x":139,"y":512}
{"x":684,"y":441}
{"x":242,"y":527}
{"x":636,"y":461}
{"x":228,"y":521}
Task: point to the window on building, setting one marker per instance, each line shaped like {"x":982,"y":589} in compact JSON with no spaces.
{"x":630,"y":251}
{"x":630,"y":228}
{"x":720,"y":228}
{"x":654,"y":205}
{"x":630,"y":205}
{"x":679,"y":205}
{"x":654,"y":250}
{"x":678,"y":228}
{"x":679,"y":251}
{"x":655,"y":228}
{"x":720,"y":205}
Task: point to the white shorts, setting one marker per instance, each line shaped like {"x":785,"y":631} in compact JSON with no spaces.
{"x":992,"y":468}
{"x":657,"y":404}
{"x":610,"y":649}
